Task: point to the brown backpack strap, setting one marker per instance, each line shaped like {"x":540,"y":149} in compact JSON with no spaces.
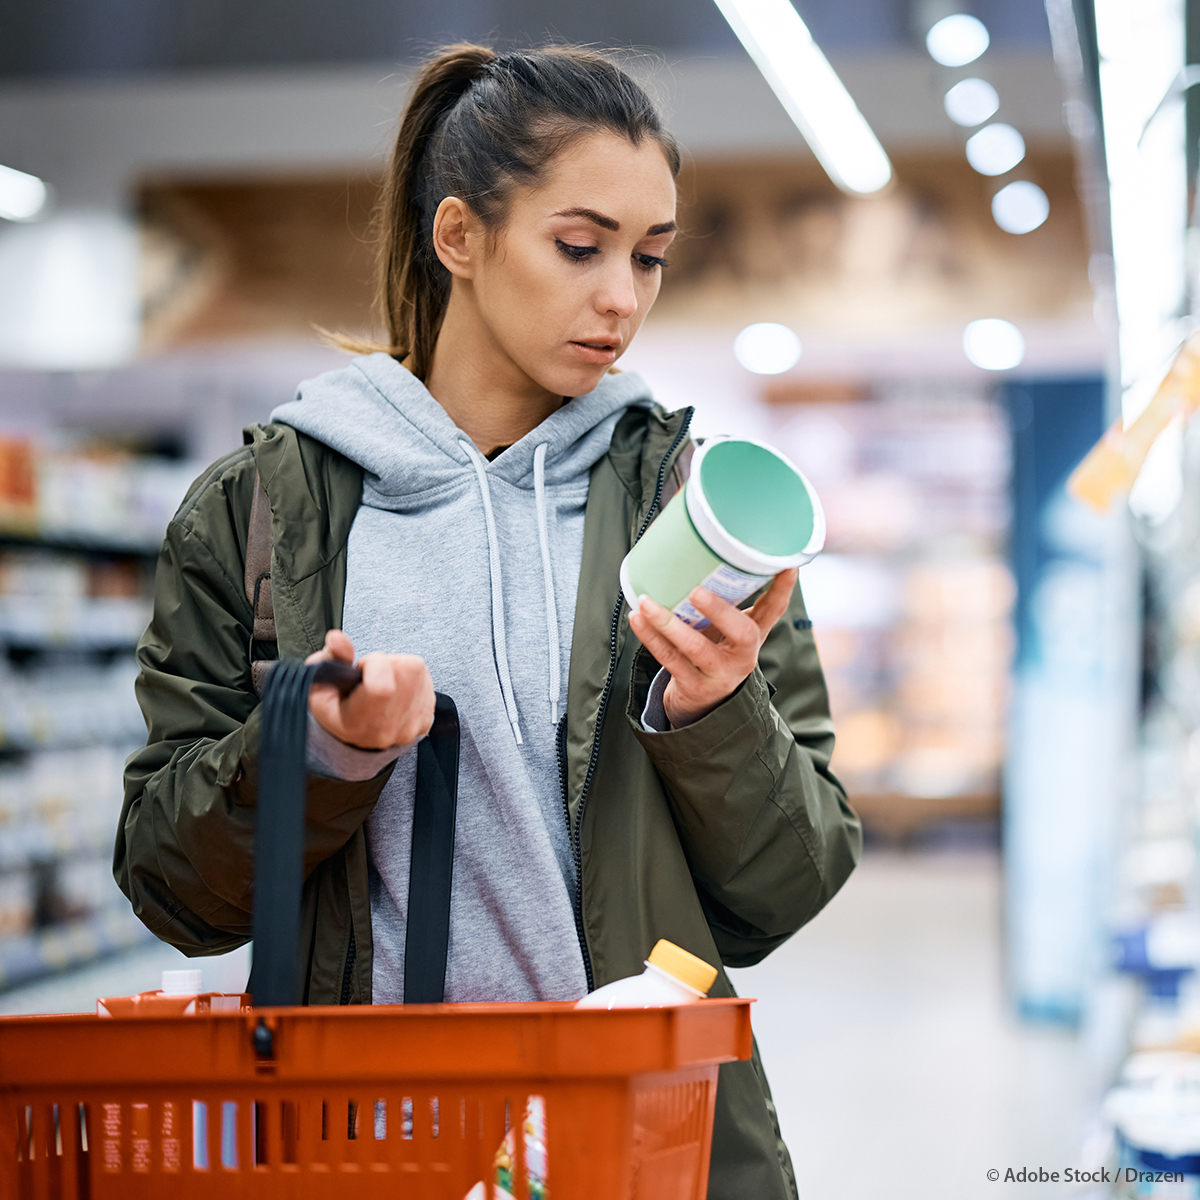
{"x":259,"y":543}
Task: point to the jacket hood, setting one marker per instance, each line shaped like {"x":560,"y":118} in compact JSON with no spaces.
{"x":382,"y":418}
{"x":416,"y":460}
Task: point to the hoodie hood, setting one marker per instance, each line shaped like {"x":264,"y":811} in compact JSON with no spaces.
{"x":416,"y":460}
{"x":381,"y":417}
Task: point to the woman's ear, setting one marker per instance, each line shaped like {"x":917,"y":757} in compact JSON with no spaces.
{"x":455,"y":240}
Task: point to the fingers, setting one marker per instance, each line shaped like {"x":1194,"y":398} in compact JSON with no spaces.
{"x":664,"y":652}
{"x":682,"y":644}
{"x":770,"y":606}
{"x":337,"y":646}
{"x":733,"y":624}
{"x":392,"y":706}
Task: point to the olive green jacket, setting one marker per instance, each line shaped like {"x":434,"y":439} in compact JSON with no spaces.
{"x":725,"y":836}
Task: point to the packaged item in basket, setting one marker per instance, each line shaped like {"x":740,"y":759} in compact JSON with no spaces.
{"x":533,"y":1130}
{"x":672,"y":976}
{"x":181,"y":994}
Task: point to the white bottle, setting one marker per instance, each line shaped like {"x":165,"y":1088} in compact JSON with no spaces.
{"x":672,"y":976}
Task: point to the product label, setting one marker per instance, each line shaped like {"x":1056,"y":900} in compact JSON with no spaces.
{"x":727,"y":582}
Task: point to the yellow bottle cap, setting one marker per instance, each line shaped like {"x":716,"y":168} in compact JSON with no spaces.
{"x":687,"y":968}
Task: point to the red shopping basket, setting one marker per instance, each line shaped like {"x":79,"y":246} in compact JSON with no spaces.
{"x":368,"y":1102}
{"x":404,"y":1101}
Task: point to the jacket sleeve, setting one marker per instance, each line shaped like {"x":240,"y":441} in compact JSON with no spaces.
{"x":185,"y":845}
{"x":766,"y":827}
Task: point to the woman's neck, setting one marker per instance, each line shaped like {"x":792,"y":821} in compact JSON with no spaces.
{"x":485,"y":393}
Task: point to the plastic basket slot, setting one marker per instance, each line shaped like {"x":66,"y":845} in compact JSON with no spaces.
{"x":670,"y":1140}
{"x":47,"y":1150}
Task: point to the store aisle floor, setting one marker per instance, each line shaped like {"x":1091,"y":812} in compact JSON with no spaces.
{"x":895,"y":1065}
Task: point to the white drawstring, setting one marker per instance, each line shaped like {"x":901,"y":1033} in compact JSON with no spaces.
{"x":539,"y":491}
{"x":498,"y":639}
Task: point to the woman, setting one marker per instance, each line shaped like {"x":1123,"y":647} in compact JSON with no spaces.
{"x":453,"y":510}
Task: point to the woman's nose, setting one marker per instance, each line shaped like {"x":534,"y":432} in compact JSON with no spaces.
{"x":618,"y":295}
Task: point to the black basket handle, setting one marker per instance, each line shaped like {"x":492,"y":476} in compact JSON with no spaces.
{"x":279,"y":837}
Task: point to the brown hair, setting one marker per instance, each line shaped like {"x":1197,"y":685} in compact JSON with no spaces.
{"x":477,"y":125}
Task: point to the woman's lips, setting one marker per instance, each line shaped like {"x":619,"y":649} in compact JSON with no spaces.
{"x":592,"y":352}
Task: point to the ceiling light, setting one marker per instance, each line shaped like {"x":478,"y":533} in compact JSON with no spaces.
{"x":971,"y":102}
{"x":22,"y":196}
{"x":993,"y":344}
{"x":995,"y":149}
{"x":767,"y":348}
{"x":957,"y":40}
{"x":808,"y":88}
{"x":1020,"y":207}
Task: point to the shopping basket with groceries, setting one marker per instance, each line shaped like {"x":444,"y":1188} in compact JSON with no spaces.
{"x":200,"y":1095}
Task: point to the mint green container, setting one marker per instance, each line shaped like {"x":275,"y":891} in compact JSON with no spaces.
{"x":745,"y":514}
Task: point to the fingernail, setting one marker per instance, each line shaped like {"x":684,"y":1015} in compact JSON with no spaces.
{"x":648,"y":606}
{"x":702,"y":594}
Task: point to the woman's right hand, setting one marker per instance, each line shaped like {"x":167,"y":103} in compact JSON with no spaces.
{"x":393,"y":706}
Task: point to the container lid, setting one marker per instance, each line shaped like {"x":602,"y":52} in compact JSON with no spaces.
{"x":182,"y":983}
{"x":753,"y":507}
{"x":685,"y":967}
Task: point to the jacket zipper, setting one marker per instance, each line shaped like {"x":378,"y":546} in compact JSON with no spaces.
{"x":614,"y":630}
{"x":577,"y":903}
{"x":351,"y":955}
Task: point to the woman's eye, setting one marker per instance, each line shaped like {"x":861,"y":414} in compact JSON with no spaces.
{"x":649,"y":261}
{"x":576,"y":253}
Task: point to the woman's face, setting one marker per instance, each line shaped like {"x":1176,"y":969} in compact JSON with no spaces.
{"x":566,"y":283}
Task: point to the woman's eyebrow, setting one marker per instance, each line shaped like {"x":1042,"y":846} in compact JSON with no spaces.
{"x":590,"y":214}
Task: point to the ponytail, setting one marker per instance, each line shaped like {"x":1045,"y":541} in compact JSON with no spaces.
{"x":477,"y":125}
{"x":412,"y":283}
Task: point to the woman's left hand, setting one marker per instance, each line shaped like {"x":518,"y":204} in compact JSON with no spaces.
{"x":708,"y":666}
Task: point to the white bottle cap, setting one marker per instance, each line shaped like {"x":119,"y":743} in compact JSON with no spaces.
{"x":182,"y":983}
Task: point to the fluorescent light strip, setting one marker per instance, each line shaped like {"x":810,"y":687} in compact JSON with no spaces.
{"x":22,"y":196}
{"x":808,"y":88}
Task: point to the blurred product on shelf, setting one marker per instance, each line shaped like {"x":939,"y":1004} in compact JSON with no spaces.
{"x":80,"y":525}
{"x":1154,"y":1109}
{"x":88,"y":493}
{"x":55,"y":599}
{"x":911,"y":601}
{"x":1155,"y":1113}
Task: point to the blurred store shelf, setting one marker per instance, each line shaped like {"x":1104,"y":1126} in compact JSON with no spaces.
{"x":69,"y":944}
{"x":910,"y":602}
{"x":80,"y":521}
{"x":93,"y":624}
{"x":895,"y":816}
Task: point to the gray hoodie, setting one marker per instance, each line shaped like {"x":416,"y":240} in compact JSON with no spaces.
{"x":472,"y":565}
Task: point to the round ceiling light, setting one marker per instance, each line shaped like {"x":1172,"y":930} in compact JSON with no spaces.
{"x":995,"y":149}
{"x":957,"y":40}
{"x":971,"y":102}
{"x":993,"y":344}
{"x":1020,"y":207}
{"x":767,"y":348}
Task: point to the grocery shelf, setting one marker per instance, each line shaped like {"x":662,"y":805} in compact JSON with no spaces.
{"x":109,"y":547}
{"x":106,"y":623}
{"x":896,"y":816}
{"x":35,"y":842}
{"x":67,"y":945}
